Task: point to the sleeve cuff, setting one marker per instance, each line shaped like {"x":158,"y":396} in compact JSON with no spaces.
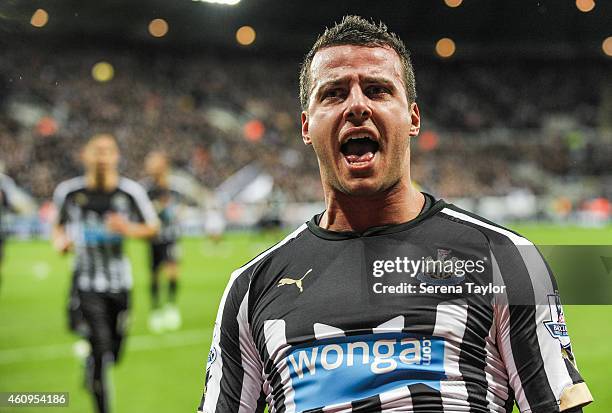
{"x":575,"y":395}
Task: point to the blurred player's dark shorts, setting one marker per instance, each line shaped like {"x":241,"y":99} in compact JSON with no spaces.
{"x":164,"y":252}
{"x":76,"y":321}
{"x":107,"y":315}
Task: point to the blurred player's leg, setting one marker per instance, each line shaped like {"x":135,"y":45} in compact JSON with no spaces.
{"x":103,"y":313}
{"x":156,"y":317}
{"x":120,"y":315}
{"x":172,"y":313}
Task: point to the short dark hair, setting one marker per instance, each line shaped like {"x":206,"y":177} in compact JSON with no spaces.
{"x":357,"y":31}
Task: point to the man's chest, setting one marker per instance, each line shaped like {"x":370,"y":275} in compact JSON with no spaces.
{"x":95,"y":205}
{"x":322,"y":325}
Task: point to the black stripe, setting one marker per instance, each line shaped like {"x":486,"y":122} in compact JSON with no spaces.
{"x":523,"y":334}
{"x":261,"y":403}
{"x":425,"y":399}
{"x":278,"y":394}
{"x":473,"y":355}
{"x":509,"y":405}
{"x":106,"y":269}
{"x":369,"y":404}
{"x":232,"y":370}
{"x":573,"y":373}
{"x":91,"y":268}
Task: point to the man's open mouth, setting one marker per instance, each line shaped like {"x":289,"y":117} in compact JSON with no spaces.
{"x":359,"y":150}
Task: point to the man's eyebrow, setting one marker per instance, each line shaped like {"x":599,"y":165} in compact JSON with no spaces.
{"x":367,"y":80}
{"x":332,"y":82}
{"x":379,"y":80}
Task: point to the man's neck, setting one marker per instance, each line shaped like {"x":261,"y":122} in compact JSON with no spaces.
{"x":161,"y":180}
{"x":399,"y":204}
{"x":106,"y":182}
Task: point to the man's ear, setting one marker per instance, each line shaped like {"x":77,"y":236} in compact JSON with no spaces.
{"x":415,"y":118}
{"x":305,"y":133}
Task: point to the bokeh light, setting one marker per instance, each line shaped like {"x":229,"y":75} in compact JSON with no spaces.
{"x":445,"y":47}
{"x":428,"y":141}
{"x":39,"y":18}
{"x":606,"y":46}
{"x":254,"y":130}
{"x":453,"y":3}
{"x":102,"y":71}
{"x":585,"y":6}
{"x":245,"y":35}
{"x":158,"y":27}
{"x":226,"y":2}
{"x":46,"y":126}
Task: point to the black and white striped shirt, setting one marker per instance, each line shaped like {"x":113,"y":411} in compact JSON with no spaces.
{"x":324,"y":321}
{"x":166,"y":201}
{"x":100,"y":265}
{"x":8,"y":190}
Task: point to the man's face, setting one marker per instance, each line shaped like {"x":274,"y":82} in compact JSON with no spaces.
{"x":156,"y":164}
{"x":359,"y":120}
{"x":101,"y":155}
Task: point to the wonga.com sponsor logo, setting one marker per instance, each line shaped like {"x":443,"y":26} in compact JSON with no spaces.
{"x":356,"y":367}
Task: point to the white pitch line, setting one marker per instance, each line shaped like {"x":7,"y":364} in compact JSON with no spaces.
{"x":133,"y":343}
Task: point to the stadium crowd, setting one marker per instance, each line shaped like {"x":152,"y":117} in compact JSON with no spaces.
{"x":214,"y":114}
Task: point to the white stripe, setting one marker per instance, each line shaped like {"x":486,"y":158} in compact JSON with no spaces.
{"x":454,"y":396}
{"x":496,"y":375}
{"x":344,"y":407}
{"x":395,"y":325}
{"x":251,"y":362}
{"x":451,"y":320}
{"x":322,"y":331}
{"x":516,"y":239}
{"x":216,"y":369}
{"x":276,"y":344}
{"x":396,"y":400}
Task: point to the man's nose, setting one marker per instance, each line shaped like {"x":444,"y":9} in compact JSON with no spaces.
{"x":358,"y":108}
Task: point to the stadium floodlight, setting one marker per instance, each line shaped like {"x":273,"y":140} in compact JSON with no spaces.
{"x":226,"y":2}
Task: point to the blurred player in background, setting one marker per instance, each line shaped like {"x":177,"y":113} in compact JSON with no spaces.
{"x":163,"y":247}
{"x":95,"y":213}
{"x":8,"y":191}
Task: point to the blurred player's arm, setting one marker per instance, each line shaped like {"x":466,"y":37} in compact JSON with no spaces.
{"x":15,"y":199}
{"x":145,"y":222}
{"x":59,"y":237}
{"x":117,"y":223}
{"x":61,"y":242}
{"x":234,"y":368}
{"x":534,"y":343}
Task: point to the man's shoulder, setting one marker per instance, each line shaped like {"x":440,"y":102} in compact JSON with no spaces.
{"x":132,"y":188}
{"x":250,"y":268}
{"x":69,"y":186}
{"x":493,"y":231}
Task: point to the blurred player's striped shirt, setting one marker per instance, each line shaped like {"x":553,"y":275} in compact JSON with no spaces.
{"x":166,"y":201}
{"x":302,"y":329}
{"x":100,"y":265}
{"x":8,"y":190}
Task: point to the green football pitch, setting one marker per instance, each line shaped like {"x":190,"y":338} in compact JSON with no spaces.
{"x":165,"y":372}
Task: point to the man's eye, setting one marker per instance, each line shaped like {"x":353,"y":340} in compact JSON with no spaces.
{"x":332,"y":93}
{"x":376,"y":90}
